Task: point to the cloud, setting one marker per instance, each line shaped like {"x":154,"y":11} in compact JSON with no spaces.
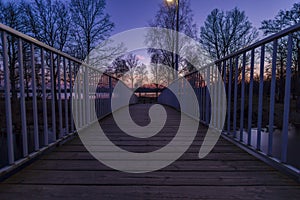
{"x":140,"y":57}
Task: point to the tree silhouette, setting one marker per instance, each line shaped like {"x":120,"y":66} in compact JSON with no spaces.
{"x":226,"y":32}
{"x":166,"y":18}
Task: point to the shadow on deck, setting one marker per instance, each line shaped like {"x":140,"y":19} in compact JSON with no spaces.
{"x":70,"y":172}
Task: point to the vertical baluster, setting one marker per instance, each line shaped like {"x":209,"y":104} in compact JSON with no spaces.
{"x":197,"y":91}
{"x":235,"y":95}
{"x":250,"y":97}
{"x":86,"y":95}
{"x":229,"y":96}
{"x":71,"y":96}
{"x":75,"y":103}
{"x":79,"y":104}
{"x":91,"y":97}
{"x":284,"y":140}
{"x":200,"y":96}
{"x":44,"y":99}
{"x":34,"y":101}
{"x":53,"y":97}
{"x":96,"y":101}
{"x":22,"y":99}
{"x":110,"y":92}
{"x":82,"y":103}
{"x":260,"y":96}
{"x":60,"y":124}
{"x":224,"y":81}
{"x":91,"y":85}
{"x":101,"y":95}
{"x":242,"y":98}
{"x":66,"y":97}
{"x":219,"y":78}
{"x":207,"y":97}
{"x":214,"y":106}
{"x":272,"y":98}
{"x":10,"y":146}
{"x":97,"y":96}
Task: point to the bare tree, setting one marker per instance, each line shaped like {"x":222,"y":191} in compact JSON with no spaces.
{"x":91,"y":25}
{"x":127,"y":68}
{"x":159,"y":72}
{"x":49,"y":22}
{"x":166,"y":18}
{"x":11,"y":15}
{"x":285,"y":19}
{"x":224,"y":33}
{"x":119,"y":67}
{"x":132,"y":63}
{"x":141,"y":74}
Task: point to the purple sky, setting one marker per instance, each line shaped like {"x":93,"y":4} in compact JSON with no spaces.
{"x":128,"y":14}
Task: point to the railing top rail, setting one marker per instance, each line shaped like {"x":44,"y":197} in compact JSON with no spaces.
{"x":47,"y":47}
{"x":259,"y":43}
{"x":38,"y":43}
{"x":266,"y":40}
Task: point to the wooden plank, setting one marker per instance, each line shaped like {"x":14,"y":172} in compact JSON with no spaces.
{"x":154,"y":178}
{"x":71,"y":192}
{"x":216,"y":149}
{"x":70,"y":172}
{"x":188,"y":156}
{"x":191,"y":165}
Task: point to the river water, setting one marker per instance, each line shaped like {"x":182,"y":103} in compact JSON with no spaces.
{"x":293,"y":157}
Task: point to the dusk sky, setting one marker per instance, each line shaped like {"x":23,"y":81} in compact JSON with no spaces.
{"x":128,"y":14}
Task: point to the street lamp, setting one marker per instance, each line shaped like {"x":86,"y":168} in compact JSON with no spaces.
{"x":177,"y":30}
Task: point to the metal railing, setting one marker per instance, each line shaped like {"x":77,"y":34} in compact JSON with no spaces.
{"x":263,"y":97}
{"x":36,"y":96}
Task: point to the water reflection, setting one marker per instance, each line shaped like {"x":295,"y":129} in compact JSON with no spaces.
{"x":293,"y":143}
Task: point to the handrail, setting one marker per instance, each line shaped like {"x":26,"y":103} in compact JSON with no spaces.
{"x":47,"y":47}
{"x":259,"y":43}
{"x":244,"y":93}
{"x":266,"y":40}
{"x":51,"y":118}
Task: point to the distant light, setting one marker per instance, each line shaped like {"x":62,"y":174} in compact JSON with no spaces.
{"x":169,"y":1}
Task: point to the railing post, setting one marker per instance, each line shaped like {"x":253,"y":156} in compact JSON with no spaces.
{"x":22,"y":99}
{"x":110,"y":91}
{"x":250,"y":97}
{"x":215,"y":103}
{"x":207,"y":104}
{"x":242,"y":98}
{"x":53,"y":97}
{"x":219,"y":114}
{"x":201,"y":96}
{"x":235,"y":95}
{"x":229,"y":97}
{"x":285,"y":131}
{"x":79,"y":96}
{"x":34,"y":101}
{"x":272,"y":98}
{"x":71,"y":95}
{"x":224,"y":81}
{"x":86,"y":95}
{"x":260,"y":98}
{"x":44,"y":100}
{"x":66,"y":97}
{"x":59,"y":98}
{"x":10,"y":145}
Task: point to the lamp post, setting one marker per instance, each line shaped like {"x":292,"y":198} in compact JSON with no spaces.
{"x":177,"y":30}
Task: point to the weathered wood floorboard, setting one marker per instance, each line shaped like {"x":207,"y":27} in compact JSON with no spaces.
{"x":70,"y":172}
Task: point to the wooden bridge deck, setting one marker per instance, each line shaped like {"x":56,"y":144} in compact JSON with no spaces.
{"x":70,"y":172}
